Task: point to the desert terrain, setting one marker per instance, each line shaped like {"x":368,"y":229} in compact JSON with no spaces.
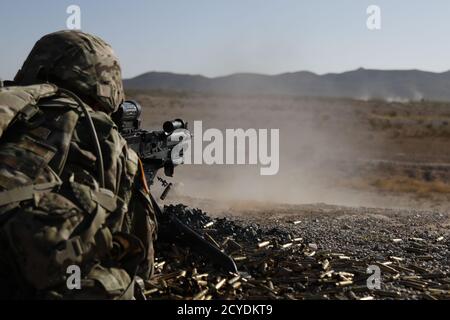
{"x":367,"y":180}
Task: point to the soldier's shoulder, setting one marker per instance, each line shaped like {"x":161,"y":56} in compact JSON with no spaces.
{"x":26,"y":94}
{"x":58,"y":101}
{"x":14,"y":99}
{"x":107,"y":130}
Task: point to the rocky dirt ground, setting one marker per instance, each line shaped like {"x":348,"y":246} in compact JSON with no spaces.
{"x":376,"y":173}
{"x":320,"y":252}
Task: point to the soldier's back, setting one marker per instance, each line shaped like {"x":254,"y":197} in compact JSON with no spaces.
{"x":54,"y":211}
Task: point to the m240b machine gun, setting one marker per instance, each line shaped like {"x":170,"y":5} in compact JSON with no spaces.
{"x":154,"y":148}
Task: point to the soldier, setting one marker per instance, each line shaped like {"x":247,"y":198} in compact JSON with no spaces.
{"x":71,"y":192}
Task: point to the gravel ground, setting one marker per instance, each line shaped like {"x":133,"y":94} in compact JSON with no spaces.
{"x":370,"y":233}
{"x":310,"y":252}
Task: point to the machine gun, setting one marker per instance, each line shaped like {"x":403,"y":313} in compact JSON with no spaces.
{"x":154,"y":148}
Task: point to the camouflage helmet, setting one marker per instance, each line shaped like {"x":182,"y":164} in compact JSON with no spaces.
{"x":79,"y":62}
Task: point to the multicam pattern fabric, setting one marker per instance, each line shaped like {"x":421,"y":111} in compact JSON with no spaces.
{"x":76,"y":222}
{"x":53,"y":214}
{"x":79,"y":62}
{"x":13,"y":100}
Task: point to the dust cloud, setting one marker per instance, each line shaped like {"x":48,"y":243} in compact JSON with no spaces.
{"x":318,"y":139}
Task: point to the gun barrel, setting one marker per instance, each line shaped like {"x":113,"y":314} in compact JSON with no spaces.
{"x":171,"y":126}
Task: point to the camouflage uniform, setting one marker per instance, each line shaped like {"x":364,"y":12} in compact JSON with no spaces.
{"x":54,"y":211}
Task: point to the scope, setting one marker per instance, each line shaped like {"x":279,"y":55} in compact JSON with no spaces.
{"x":128,"y":116}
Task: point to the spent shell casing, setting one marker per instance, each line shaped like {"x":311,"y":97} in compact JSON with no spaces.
{"x":263,"y":244}
{"x":209,"y":224}
{"x":220,"y":284}
{"x":234,"y":279}
{"x":200,"y":295}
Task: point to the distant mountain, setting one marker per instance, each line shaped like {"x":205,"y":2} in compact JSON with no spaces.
{"x":359,"y":84}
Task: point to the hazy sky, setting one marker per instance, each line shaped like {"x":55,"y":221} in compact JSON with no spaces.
{"x":212,"y":37}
